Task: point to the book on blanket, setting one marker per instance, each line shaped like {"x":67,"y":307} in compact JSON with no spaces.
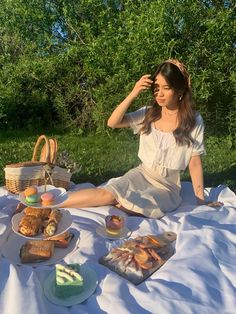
{"x":136,"y":259}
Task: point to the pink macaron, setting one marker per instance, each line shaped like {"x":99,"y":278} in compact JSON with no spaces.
{"x":47,"y":198}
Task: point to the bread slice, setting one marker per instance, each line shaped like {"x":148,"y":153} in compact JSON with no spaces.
{"x":36,"y":251}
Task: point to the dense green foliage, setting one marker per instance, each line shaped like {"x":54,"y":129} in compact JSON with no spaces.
{"x":67,"y":63}
{"x":101,"y":156}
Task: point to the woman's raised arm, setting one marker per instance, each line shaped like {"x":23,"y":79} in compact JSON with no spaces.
{"x":118,"y":118}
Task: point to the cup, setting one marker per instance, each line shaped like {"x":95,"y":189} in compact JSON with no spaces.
{"x":114,"y":224}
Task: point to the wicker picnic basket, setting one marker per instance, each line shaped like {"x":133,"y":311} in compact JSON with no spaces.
{"x":21,"y":175}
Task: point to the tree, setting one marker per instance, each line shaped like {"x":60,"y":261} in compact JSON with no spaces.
{"x":73,"y":61}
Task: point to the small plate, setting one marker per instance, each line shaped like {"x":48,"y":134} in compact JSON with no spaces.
{"x":101,"y":230}
{"x":63,"y":225}
{"x":59,"y":193}
{"x":90,"y":284}
{"x":11,"y":250}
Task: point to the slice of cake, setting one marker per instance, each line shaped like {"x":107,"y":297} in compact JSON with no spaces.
{"x":68,"y":281}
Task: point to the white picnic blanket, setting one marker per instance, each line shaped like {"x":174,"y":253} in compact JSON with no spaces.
{"x":199,"y":278}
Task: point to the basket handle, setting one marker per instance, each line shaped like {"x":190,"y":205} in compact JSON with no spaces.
{"x":53,"y":150}
{"x":47,"y":149}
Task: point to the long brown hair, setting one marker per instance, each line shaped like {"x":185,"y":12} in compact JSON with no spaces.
{"x":178,"y":79}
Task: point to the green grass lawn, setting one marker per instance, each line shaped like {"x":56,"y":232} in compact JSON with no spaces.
{"x":102,"y":156}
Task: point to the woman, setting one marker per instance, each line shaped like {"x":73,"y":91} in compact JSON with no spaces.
{"x":171,"y":138}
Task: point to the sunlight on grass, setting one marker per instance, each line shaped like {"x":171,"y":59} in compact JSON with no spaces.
{"x":102,"y":156}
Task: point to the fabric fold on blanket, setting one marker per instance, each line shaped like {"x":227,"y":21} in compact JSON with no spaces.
{"x":199,"y":278}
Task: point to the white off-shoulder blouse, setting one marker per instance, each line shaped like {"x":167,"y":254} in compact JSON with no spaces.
{"x":159,"y":149}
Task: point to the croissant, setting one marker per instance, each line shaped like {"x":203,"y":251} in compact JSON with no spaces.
{"x":51,"y":227}
{"x":30,"y":225}
{"x":55,"y":215}
{"x":42,"y":213}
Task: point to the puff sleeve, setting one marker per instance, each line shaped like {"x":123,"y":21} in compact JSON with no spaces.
{"x":198,"y":144}
{"x":136,"y":118}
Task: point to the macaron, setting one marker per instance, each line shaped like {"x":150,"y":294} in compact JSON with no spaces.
{"x":31,"y":190}
{"x":47,"y":198}
{"x":32,"y":199}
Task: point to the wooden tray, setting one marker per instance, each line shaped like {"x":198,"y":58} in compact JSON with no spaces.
{"x":131,"y":249}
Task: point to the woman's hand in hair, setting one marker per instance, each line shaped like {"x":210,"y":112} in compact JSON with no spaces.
{"x":118,"y":119}
{"x":141,"y":85}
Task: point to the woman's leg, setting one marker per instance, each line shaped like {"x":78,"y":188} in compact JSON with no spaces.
{"x":127,"y":211}
{"x":89,"y":198}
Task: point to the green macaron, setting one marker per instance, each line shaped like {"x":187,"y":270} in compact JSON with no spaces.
{"x":32,"y":199}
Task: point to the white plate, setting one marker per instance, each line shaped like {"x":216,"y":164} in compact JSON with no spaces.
{"x":101,"y":230}
{"x":63,"y":225}
{"x":59,"y":193}
{"x":11,"y":250}
{"x":90,"y":284}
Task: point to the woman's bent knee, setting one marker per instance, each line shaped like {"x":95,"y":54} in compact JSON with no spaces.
{"x":107,"y":196}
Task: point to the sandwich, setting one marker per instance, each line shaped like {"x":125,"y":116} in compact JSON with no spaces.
{"x":62,"y":240}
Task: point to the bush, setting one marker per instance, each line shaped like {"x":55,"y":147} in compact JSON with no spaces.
{"x":70,"y":63}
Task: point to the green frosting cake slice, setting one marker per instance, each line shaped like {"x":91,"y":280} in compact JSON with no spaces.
{"x":68,"y":281}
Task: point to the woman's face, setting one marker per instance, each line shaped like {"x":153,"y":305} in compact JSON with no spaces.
{"x":164,"y":95}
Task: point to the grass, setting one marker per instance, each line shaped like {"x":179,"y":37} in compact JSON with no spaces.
{"x":102,"y":156}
